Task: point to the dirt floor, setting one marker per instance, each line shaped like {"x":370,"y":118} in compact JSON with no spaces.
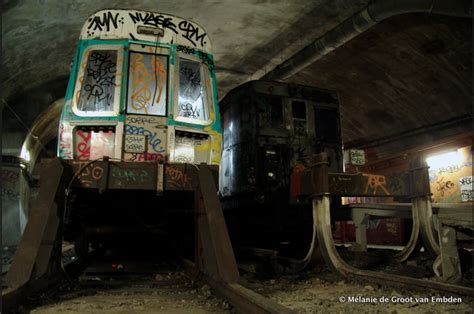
{"x":317,"y":291}
{"x":327,"y":293}
{"x":146,"y":300}
{"x":309,"y":292}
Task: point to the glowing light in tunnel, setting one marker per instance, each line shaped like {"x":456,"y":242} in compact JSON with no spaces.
{"x":444,"y":160}
{"x":25,"y":153}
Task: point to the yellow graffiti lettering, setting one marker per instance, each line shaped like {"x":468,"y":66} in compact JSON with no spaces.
{"x":374,"y":182}
{"x":142,"y":81}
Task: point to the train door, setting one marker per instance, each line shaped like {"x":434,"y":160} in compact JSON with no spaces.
{"x":146,"y":104}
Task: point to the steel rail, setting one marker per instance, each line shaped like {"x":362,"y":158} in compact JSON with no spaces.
{"x":338,"y":265}
{"x":414,"y":241}
{"x":427,"y":229}
{"x":242,"y":298}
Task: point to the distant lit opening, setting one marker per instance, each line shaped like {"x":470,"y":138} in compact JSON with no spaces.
{"x":25,"y":153}
{"x":444,"y":160}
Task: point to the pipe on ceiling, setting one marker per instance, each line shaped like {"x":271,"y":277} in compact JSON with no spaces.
{"x":375,"y":12}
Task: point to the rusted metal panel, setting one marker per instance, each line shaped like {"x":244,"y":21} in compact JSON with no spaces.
{"x":365,"y":184}
{"x":121,"y":175}
{"x":318,"y":181}
{"x":182,"y":177}
{"x":355,"y":184}
{"x":136,"y":175}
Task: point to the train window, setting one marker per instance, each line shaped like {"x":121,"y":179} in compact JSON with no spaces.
{"x":299,"y":117}
{"x":97,"y":92}
{"x":270,"y":111}
{"x":327,"y":125}
{"x":147,"y":84}
{"x":193,"y":102}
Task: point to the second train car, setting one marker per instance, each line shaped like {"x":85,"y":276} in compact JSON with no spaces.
{"x":271,"y":130}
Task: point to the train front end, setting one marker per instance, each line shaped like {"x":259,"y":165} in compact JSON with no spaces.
{"x":140,"y":111}
{"x":142,"y":88}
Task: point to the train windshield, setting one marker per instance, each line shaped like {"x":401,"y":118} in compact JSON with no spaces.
{"x":98,"y":86}
{"x":147,"y":84}
{"x":140,"y":92}
{"x":98,"y":91}
{"x":193,"y":101}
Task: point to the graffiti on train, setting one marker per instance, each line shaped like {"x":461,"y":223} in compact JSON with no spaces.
{"x":154,"y":141}
{"x":114,"y":20}
{"x":177,"y":178}
{"x":131,"y":175}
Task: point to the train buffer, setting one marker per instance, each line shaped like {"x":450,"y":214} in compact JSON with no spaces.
{"x":37,"y":263}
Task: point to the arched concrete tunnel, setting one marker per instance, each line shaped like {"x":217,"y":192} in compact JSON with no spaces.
{"x":404,"y":78}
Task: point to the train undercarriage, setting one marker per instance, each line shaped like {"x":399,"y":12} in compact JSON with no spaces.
{"x":37,"y":264}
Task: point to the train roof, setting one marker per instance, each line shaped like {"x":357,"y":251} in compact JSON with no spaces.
{"x":285,"y":89}
{"x":145,"y":26}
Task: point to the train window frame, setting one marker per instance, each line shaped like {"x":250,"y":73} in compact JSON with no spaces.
{"x":294,"y":120}
{"x":150,"y":50}
{"x":209,"y":92}
{"x":80,"y":80}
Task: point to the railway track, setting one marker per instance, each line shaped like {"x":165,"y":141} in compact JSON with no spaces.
{"x":321,"y":213}
{"x":126,"y":276}
{"x":320,"y":185}
{"x":113,"y":277}
{"x":214,"y":261}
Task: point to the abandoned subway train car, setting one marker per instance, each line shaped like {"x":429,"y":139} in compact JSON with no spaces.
{"x":142,"y":89}
{"x":271,"y":131}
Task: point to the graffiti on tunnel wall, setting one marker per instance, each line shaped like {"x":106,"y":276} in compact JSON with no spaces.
{"x":452,"y":182}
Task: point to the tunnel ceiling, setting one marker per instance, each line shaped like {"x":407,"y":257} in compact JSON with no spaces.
{"x":407,"y":73}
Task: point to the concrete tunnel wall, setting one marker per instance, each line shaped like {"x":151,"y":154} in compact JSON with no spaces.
{"x":13,"y":218}
{"x":16,"y":192}
{"x":33,"y":126}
